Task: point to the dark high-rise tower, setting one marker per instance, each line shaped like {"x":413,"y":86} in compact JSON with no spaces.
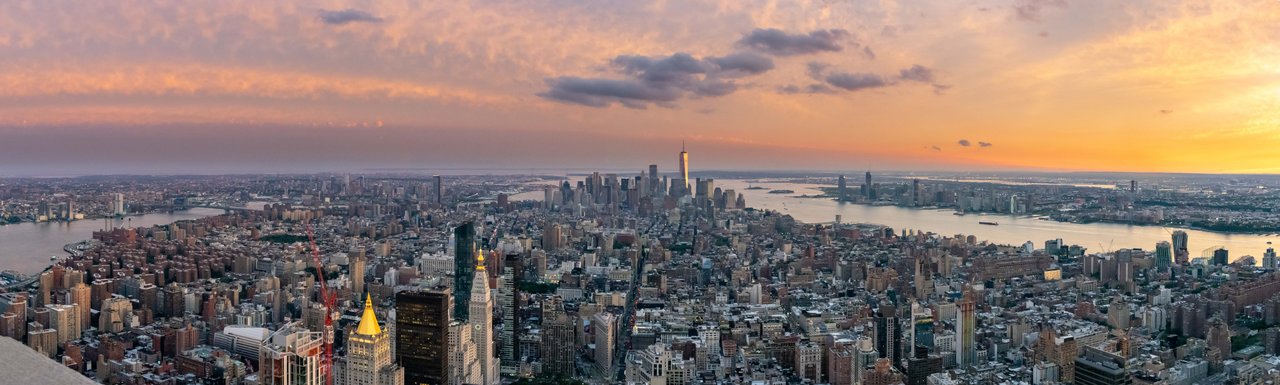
{"x":1220,"y":257}
{"x":655,"y":181}
{"x":888,"y":335}
{"x":684,"y":167}
{"x":915,"y":192}
{"x":557,"y":339}
{"x":866,"y":187}
{"x":512,"y":276}
{"x":841,"y":186}
{"x":1180,"y":250}
{"x":464,"y":268}
{"x":439,"y":189}
{"x":422,"y":335}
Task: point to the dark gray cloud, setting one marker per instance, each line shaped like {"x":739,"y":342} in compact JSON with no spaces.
{"x":855,"y":81}
{"x":922,"y":74}
{"x":936,"y":148}
{"x":743,"y":63}
{"x":1166,"y":112}
{"x":780,"y":43}
{"x":866,"y":51}
{"x":964,"y":142}
{"x":830,"y":80}
{"x":810,"y":89}
{"x":346,"y":16}
{"x":1031,"y":10}
{"x":660,"y":80}
{"x":917,"y":73}
{"x":603,"y":92}
{"x":984,"y":144}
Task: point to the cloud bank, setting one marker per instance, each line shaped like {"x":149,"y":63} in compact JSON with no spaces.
{"x":780,"y":43}
{"x":658,"y":80}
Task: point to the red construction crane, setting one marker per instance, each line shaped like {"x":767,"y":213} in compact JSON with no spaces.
{"x":326,"y":361}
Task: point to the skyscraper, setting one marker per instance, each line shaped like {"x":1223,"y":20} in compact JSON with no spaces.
{"x":864,"y":355}
{"x":464,"y":268}
{"x":422,"y":334}
{"x":117,"y":206}
{"x":369,"y":360}
{"x":357,"y":275}
{"x":866,"y":188}
{"x":439,"y":189}
{"x":1164,"y":255}
{"x":1220,"y":257}
{"x":482,"y":324}
{"x":512,"y":276}
{"x":921,"y":334}
{"x":80,"y":295}
{"x":557,"y":339}
{"x":684,"y":168}
{"x":462,"y":355}
{"x":915,"y":192}
{"x":655,"y":181}
{"x":841,"y":187}
{"x":888,"y":336}
{"x":291,"y":355}
{"x":66,"y":320}
{"x":966,"y":351}
{"x":1180,"y":250}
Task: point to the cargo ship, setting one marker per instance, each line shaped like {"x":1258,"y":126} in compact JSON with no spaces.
{"x":989,"y":223}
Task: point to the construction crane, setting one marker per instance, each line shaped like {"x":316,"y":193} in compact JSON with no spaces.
{"x":326,"y":361}
{"x":1107,"y":249}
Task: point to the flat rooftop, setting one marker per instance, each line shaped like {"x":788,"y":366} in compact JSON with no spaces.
{"x":21,"y":365}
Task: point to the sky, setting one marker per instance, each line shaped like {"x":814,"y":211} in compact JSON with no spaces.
{"x":138,"y":86}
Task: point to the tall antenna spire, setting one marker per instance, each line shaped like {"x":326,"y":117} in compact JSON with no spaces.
{"x":682,"y":145}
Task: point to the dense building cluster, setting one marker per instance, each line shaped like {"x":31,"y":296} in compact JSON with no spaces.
{"x":614,"y":279}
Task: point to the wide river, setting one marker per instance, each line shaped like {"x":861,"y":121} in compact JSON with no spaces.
{"x":1013,"y":230}
{"x":26,"y":247}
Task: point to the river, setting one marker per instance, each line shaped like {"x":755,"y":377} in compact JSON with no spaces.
{"x":1013,"y":230}
{"x":26,"y":247}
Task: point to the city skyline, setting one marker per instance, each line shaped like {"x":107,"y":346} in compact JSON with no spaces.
{"x":1032,"y":85}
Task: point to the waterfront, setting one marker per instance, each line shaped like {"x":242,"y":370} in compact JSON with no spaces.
{"x":1015,"y":230}
{"x":26,"y":247}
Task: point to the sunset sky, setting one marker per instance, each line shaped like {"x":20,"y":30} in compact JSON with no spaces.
{"x":136,"y":86}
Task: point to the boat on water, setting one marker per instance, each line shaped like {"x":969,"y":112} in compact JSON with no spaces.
{"x":958,"y":213}
{"x":988,"y":223}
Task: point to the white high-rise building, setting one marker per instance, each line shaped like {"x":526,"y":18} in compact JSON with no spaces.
{"x":482,"y":324}
{"x":292,"y":356}
{"x":369,"y":357}
{"x":462,"y":355}
{"x":117,"y":206}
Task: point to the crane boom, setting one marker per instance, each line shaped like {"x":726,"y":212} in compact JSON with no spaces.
{"x":326,"y":361}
